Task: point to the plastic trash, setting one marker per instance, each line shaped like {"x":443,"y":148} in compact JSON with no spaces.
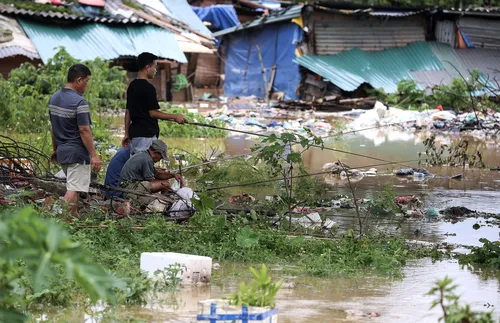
{"x":443,"y":116}
{"x":439,"y":124}
{"x":432,"y":212}
{"x":404,"y":172}
{"x":252,"y":122}
{"x":418,"y":176}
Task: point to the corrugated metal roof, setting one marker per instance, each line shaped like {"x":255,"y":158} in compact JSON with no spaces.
{"x":483,"y":33}
{"x":486,"y":60}
{"x":15,"y":51}
{"x":281,"y":15}
{"x":334,"y":36}
{"x":431,"y":78}
{"x":20,"y":44}
{"x":446,"y":54}
{"x":383,"y":69}
{"x":477,"y":11}
{"x":86,"y":41}
{"x":181,"y":11}
{"x":11,"y":10}
{"x":372,"y":12}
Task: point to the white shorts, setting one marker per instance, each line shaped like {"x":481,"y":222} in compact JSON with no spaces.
{"x":77,"y":177}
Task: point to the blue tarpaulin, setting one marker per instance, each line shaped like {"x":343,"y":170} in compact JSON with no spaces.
{"x":277,"y":43}
{"x":219,"y":16}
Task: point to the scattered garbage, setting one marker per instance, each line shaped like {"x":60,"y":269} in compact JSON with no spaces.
{"x":313,"y":220}
{"x":478,"y":123}
{"x":456,"y":211}
{"x":416,"y":172}
{"x":335,"y":167}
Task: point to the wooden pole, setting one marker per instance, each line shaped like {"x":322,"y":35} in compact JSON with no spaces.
{"x":263,"y":69}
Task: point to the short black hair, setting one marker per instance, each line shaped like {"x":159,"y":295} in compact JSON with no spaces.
{"x":76,"y":71}
{"x":145,"y":59}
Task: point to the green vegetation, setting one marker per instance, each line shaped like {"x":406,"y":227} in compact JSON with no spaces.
{"x":456,"y":155}
{"x":260,"y":292}
{"x":174,"y":130}
{"x":236,"y":170}
{"x":26,"y":93}
{"x":47,"y":251}
{"x":31,"y":5}
{"x":453,"y":312}
{"x":35,"y":253}
{"x":383,"y":203}
{"x":486,"y":257}
{"x":455,"y":96}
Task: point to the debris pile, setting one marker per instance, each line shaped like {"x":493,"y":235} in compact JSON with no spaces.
{"x":479,"y":124}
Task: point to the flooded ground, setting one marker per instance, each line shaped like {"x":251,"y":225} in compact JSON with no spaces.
{"x":352,"y":299}
{"x":313,"y":300}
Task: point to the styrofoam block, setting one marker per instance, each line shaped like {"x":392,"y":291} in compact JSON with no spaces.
{"x":196,"y":269}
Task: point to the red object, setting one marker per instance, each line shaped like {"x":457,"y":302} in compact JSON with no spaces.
{"x":95,"y":3}
{"x":57,"y":2}
{"x":407,"y":200}
{"x":439,"y":107}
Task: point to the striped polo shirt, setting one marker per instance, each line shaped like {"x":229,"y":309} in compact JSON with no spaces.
{"x":68,"y":110}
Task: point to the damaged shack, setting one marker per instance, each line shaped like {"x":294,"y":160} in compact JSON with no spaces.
{"x":332,"y":51}
{"x":259,"y":55}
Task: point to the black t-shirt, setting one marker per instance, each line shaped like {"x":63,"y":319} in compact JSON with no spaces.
{"x":141,"y":97}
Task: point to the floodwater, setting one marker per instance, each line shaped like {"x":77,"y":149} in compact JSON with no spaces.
{"x":368,"y":298}
{"x":313,"y":300}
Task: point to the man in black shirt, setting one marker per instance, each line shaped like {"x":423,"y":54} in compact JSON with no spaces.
{"x":143,"y":110}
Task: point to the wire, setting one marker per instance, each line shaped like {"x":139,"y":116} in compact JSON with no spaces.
{"x":369,"y":128}
{"x":317,"y":146}
{"x":300,"y":176}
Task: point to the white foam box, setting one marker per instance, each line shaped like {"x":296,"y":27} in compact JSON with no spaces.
{"x":195,"y":269}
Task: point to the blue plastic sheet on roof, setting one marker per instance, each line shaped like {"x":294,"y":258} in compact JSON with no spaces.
{"x":466,"y":39}
{"x":89,"y":41}
{"x":181,"y":10}
{"x":219,"y":16}
{"x":277,"y":43}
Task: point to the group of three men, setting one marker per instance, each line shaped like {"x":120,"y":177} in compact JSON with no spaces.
{"x":132,"y":167}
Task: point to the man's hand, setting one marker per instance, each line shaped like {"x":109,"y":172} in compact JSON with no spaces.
{"x":53,"y":157}
{"x":180,"y":119}
{"x":125,"y":142}
{"x":96,"y":163}
{"x":179,"y":179}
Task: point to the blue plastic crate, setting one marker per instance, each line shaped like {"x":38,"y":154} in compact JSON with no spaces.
{"x":244,"y":316}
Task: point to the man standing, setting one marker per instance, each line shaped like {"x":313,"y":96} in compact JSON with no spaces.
{"x":143,"y":110}
{"x":72,"y":141}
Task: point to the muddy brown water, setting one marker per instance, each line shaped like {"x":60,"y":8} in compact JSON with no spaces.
{"x":314,"y":300}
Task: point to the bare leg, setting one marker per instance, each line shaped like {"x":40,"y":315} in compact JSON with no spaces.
{"x":71,"y":199}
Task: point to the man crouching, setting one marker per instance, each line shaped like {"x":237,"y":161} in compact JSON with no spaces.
{"x":140,"y":175}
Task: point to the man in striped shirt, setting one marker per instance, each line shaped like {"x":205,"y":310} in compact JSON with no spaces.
{"x":72,"y":141}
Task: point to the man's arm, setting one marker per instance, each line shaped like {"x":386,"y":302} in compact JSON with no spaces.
{"x":163,"y":174}
{"x":88,"y":142}
{"x":157,"y":114}
{"x":53,"y":156}
{"x":126,"y":140}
